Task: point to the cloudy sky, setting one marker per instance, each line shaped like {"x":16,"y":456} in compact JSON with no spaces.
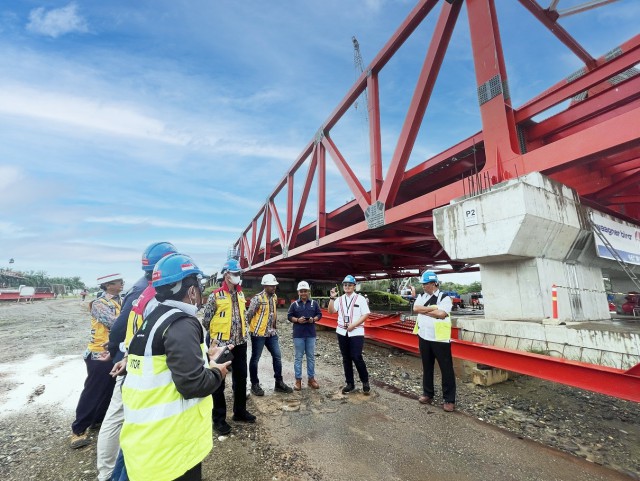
{"x":128,"y":122}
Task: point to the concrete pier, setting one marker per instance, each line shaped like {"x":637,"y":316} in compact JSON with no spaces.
{"x":527,"y":234}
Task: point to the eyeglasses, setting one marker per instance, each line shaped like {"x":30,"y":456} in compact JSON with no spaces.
{"x":348,"y":284}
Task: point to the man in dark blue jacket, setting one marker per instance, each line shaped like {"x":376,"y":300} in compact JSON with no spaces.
{"x":304,"y":313}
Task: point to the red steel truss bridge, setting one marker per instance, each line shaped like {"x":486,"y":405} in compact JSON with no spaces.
{"x":592,"y":146}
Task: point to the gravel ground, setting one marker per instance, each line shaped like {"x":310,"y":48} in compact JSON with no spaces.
{"x":41,"y":346}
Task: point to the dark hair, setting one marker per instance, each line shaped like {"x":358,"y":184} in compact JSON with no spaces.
{"x":164,"y":293}
{"x":148,"y":275}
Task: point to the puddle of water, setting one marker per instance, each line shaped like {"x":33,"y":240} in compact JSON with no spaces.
{"x":62,"y":377}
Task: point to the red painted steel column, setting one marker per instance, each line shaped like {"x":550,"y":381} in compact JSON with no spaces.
{"x":375,"y":143}
{"x":289,"y":208}
{"x":498,"y":124}
{"x":554,"y":301}
{"x":321,"y":224}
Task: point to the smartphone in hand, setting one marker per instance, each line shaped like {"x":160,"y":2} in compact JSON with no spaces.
{"x":226,"y":355}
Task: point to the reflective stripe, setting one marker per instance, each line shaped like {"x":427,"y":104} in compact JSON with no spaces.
{"x":159,"y":412}
{"x":149,"y":382}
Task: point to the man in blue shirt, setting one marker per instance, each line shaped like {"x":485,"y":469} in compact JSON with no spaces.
{"x":304,"y":313}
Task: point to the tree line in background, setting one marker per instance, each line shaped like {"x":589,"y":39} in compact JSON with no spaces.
{"x":394,"y":285}
{"x":41,"y":279}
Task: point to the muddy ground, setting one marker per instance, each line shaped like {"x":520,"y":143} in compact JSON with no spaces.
{"x":41,"y":375}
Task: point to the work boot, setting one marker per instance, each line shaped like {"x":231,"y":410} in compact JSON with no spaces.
{"x":449,"y":407}
{"x":313,"y":384}
{"x":257,"y":390}
{"x":282,"y":387}
{"x":245,"y":417}
{"x":222,"y":428}
{"x":79,"y":440}
{"x":425,"y":399}
{"x":366,"y":388}
{"x":348,"y":388}
{"x":298,"y":385}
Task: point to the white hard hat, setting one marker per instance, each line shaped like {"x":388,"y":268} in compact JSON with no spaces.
{"x":109,"y":278}
{"x":269,"y":280}
{"x":303,"y":285}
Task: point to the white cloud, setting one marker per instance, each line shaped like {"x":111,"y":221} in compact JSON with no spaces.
{"x":110,"y":118}
{"x":9,"y":176}
{"x":154,"y":222}
{"x":56,"y":22}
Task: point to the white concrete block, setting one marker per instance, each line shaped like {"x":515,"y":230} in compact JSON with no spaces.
{"x":488,"y":377}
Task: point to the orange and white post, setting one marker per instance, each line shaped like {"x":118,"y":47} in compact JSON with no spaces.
{"x":554,"y":301}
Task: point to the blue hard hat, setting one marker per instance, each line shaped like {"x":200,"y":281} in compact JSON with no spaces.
{"x":428,"y":276}
{"x":232,"y":265}
{"x":155,"y":252}
{"x":349,"y":279}
{"x":173,"y":268}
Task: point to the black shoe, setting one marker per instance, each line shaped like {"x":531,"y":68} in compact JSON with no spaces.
{"x":282,"y":387}
{"x":222,"y":428}
{"x":366,"y":388}
{"x":257,"y":390}
{"x":245,"y":417}
{"x":348,"y":388}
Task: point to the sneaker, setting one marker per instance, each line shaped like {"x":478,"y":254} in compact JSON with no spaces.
{"x":245,"y":417}
{"x":222,"y":428}
{"x":425,"y":399}
{"x":366,"y":388}
{"x":282,"y":387}
{"x":298,"y":385}
{"x":449,"y":407}
{"x":79,"y":440}
{"x":348,"y":388}
{"x":313,"y":384}
{"x":257,"y":390}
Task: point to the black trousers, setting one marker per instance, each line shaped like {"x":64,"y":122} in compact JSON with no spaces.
{"x":351,"y":350}
{"x":194,"y":474}
{"x":96,"y":395}
{"x":429,"y":352}
{"x":239,"y":385}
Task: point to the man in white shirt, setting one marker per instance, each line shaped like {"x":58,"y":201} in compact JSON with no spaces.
{"x":434,"y":331}
{"x":352,"y":311}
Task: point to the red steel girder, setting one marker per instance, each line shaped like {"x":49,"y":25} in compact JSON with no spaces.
{"x":548,"y":19}
{"x":599,"y":134}
{"x":419,"y":101}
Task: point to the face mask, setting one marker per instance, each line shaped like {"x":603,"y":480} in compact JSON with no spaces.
{"x":235,"y":280}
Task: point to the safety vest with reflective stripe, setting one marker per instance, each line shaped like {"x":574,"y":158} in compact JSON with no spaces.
{"x":100,"y":332}
{"x":163,"y":435}
{"x":220,"y":327}
{"x":260,"y":320}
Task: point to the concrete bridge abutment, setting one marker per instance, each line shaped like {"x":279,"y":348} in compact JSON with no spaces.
{"x":527,"y":234}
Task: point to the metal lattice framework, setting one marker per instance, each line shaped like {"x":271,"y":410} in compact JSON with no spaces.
{"x":592,"y":146}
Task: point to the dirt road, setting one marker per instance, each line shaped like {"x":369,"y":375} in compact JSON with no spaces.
{"x":546,"y":431}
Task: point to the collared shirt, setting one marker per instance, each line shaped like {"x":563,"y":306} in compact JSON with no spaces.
{"x":271,"y":321}
{"x":350,"y":309}
{"x":210,"y":309}
{"x":426,"y":326}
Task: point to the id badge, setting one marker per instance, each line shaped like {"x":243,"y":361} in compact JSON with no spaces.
{"x":346,"y":319}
